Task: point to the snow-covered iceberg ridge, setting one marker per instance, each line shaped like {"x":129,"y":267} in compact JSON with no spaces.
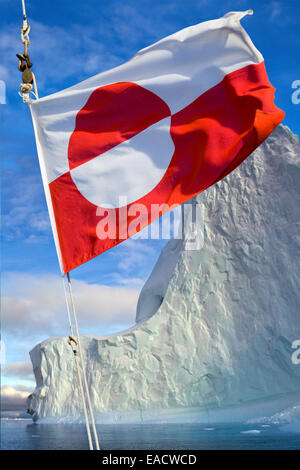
{"x":214,"y":328}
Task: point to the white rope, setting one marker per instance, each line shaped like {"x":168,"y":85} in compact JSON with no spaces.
{"x":35,"y":87}
{"x":26,"y":88}
{"x":82,"y":364}
{"x":24,"y":9}
{"x":86,"y":418}
{"x":68,"y":307}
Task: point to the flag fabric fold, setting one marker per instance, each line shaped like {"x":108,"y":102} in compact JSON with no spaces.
{"x":153,"y":132}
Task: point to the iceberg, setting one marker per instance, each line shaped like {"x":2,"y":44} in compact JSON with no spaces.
{"x":214,"y":326}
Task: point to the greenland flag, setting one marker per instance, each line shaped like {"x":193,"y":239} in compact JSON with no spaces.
{"x":152,"y":133}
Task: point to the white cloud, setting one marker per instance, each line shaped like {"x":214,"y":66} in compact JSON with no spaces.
{"x":132,"y":253}
{"x":34,"y":306}
{"x":12,"y":398}
{"x":275,"y":9}
{"x":25,"y":211}
{"x":21,"y":370}
{"x":4,"y":73}
{"x":281,"y":13}
{"x":130,"y":24}
{"x":133,"y":282}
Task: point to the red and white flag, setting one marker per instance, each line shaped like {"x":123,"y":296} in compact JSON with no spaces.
{"x":156,"y":131}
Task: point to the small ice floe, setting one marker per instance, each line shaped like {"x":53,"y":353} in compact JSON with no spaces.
{"x":251,"y":431}
{"x":208,"y":429}
{"x":265,"y":426}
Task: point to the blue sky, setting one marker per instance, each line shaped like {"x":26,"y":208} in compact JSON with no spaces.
{"x":71,"y":41}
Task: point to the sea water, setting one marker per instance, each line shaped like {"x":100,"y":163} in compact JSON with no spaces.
{"x":18,"y":433}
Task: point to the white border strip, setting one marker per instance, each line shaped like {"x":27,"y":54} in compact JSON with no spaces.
{"x":46,"y":189}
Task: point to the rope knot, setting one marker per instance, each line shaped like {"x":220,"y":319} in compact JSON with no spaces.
{"x":24,"y":64}
{"x":25,"y":30}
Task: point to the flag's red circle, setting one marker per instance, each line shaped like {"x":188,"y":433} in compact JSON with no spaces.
{"x":113,"y":114}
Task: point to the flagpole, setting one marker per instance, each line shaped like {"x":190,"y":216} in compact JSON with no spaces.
{"x":82,"y":363}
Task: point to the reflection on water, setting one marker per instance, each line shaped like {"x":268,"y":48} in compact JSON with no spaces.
{"x":23,"y":434}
